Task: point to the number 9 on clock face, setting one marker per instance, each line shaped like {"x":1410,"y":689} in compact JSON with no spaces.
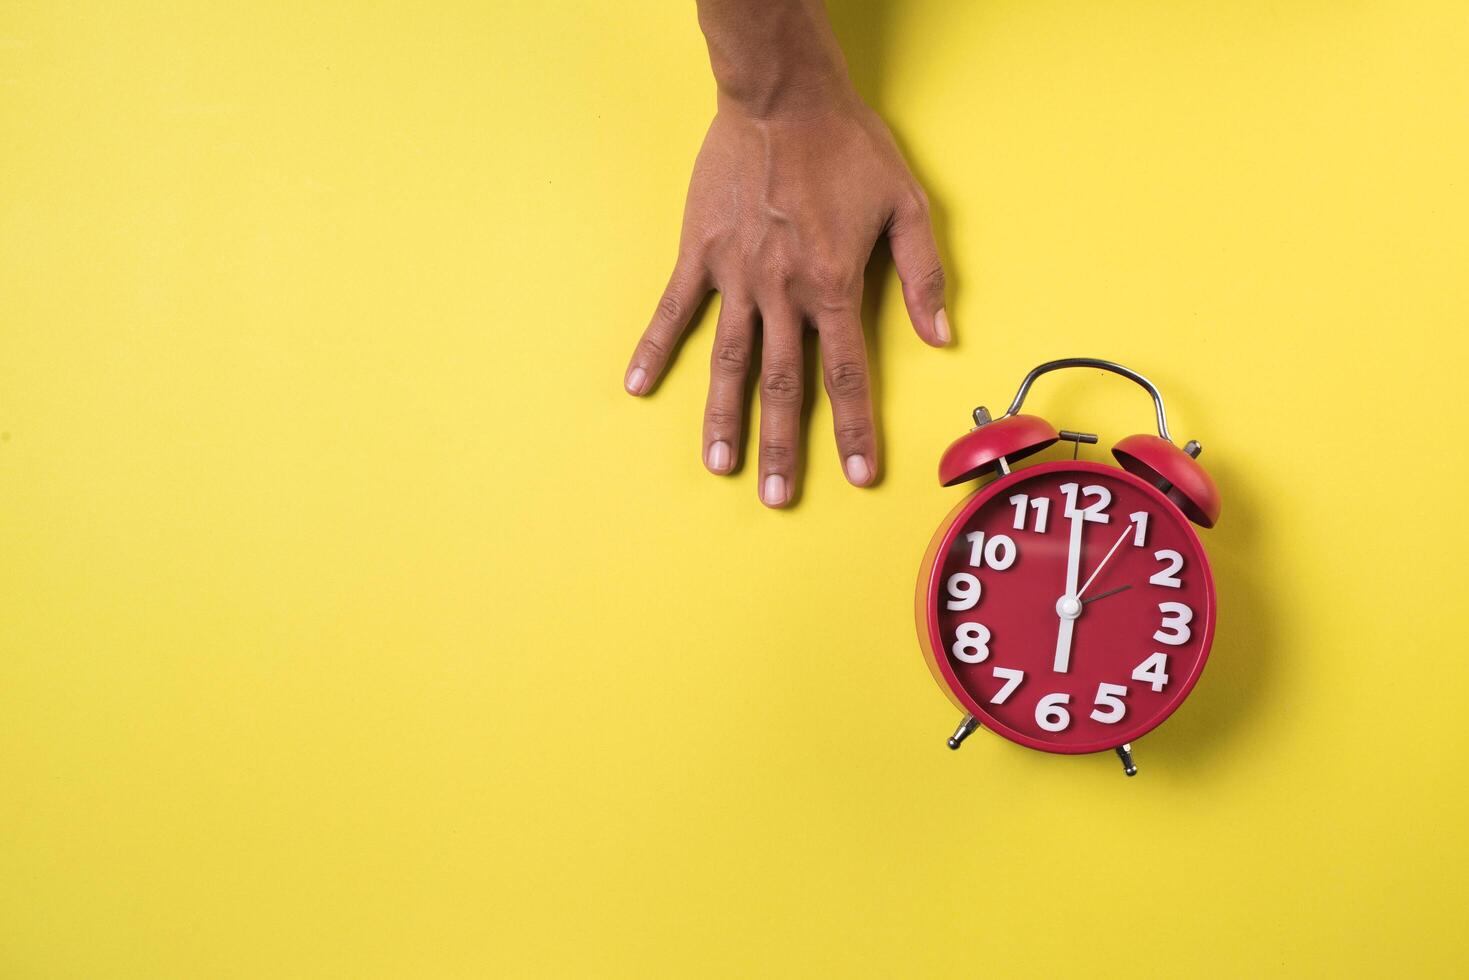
{"x":1068,"y":607}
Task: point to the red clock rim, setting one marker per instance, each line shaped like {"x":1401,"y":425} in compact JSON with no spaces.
{"x":934,"y":646}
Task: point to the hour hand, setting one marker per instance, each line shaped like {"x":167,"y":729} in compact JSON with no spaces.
{"x":1120,"y":588}
{"x":1068,"y":608}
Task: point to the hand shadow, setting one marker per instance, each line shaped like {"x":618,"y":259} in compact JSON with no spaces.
{"x":861,"y":26}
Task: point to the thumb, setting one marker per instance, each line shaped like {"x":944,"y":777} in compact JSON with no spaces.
{"x":910,"y":236}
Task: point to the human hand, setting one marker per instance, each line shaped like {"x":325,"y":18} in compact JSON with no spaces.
{"x":783,"y":211}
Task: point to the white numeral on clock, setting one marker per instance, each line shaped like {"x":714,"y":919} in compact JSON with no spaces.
{"x":1152,"y":671}
{"x":1092,"y":512}
{"x":971,"y":643}
{"x":1140,"y":519}
{"x":1049,"y":713}
{"x":964,"y":590}
{"x":1168,"y":576}
{"x":1012,"y":679}
{"x":1176,"y":617}
{"x":1109,"y":696}
{"x":1041,"y":506}
{"x":998,"y":552}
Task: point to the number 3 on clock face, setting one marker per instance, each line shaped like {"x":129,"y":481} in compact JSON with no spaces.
{"x":1067,"y":606}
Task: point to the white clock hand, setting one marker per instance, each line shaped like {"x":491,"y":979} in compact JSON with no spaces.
{"x":1063,"y":644}
{"x":1117,"y":544}
{"x":1073,"y":553}
{"x":1068,"y":607}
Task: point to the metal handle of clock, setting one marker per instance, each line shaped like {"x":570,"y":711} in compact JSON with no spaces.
{"x":1094,"y":362}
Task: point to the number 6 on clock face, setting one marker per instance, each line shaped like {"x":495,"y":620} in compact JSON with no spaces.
{"x":1125,"y":604}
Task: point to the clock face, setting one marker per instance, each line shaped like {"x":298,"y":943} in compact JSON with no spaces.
{"x":1069,"y":607}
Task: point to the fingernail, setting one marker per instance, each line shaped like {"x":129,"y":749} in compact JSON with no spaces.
{"x":941,"y":326}
{"x":719,"y":457}
{"x":775,"y":490}
{"x":858,"y":471}
{"x":637,"y":381}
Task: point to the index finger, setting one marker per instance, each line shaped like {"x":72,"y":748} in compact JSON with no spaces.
{"x":686,"y":288}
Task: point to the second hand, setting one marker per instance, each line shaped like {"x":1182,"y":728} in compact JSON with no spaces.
{"x":1110,"y":552}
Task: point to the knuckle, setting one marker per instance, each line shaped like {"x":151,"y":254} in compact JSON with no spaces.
{"x":780,"y":385}
{"x":732,"y":357}
{"x":777,"y":454}
{"x":851,"y":432}
{"x":930,"y":278}
{"x":915,"y":201}
{"x":654,"y":347}
{"x":846,"y":379}
{"x":721,"y":419}
{"x":670,"y":307}
{"x":832,"y":278}
{"x":698,"y":244}
{"x":777,"y":269}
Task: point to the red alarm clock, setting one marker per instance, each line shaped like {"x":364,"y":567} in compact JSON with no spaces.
{"x":1068,"y":606}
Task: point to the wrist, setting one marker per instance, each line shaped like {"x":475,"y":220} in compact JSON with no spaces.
{"x":777,"y":59}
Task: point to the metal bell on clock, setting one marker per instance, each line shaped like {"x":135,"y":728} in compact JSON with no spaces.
{"x":1175,"y":471}
{"x":981,"y":451}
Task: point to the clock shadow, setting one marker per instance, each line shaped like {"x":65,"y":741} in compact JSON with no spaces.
{"x":1234,"y":687}
{"x":1236,"y":683}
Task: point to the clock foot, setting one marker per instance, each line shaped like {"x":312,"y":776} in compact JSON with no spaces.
{"x":966,"y":728}
{"x":1124,"y":752}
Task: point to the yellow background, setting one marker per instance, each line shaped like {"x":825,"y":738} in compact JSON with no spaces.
{"x":354,"y":623}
